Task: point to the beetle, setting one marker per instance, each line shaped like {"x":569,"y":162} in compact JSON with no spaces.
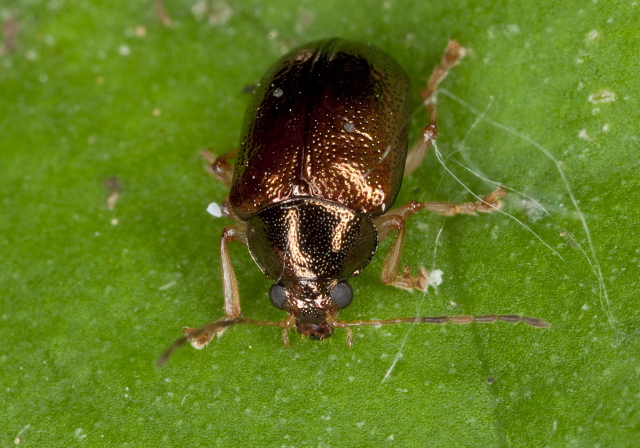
{"x":321,"y":159}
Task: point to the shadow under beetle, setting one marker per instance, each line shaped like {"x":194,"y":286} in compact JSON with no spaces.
{"x":321,"y":160}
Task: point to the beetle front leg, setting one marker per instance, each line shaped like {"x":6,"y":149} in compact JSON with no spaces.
{"x":395,"y":220}
{"x":229,"y":284}
{"x":219,"y":167}
{"x":453,"y":53}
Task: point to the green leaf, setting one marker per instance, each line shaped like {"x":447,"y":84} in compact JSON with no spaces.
{"x":101,"y":98}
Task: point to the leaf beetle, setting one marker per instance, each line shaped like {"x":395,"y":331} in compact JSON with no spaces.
{"x":322,"y":155}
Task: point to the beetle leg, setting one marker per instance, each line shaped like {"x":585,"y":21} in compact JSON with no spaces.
{"x":487,"y":204}
{"x":395,"y":221}
{"x":229,"y":282}
{"x":453,"y":53}
{"x":219,"y":167}
{"x":227,"y":211}
{"x":385,"y":225}
{"x":232,"y":308}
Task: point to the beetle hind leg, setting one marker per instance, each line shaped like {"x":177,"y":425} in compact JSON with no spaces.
{"x":453,"y":53}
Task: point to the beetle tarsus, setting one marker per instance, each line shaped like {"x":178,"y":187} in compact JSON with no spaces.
{"x":219,"y":167}
{"x":488,"y":204}
{"x":285,"y":337}
{"x":349,"y":337}
{"x":453,"y":53}
{"x":409,"y":282}
{"x":198,"y":342}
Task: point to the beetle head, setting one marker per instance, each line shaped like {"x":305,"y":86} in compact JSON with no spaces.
{"x":311,"y":247}
{"x":313,"y":303}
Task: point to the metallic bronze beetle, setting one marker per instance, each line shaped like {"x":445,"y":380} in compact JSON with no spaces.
{"x":321,"y":160}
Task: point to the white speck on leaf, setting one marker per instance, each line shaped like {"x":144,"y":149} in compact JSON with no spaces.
{"x":583,"y":135}
{"x":221,"y":13}
{"x":80,"y":434}
{"x":218,"y":12}
{"x":435,"y":278}
{"x":602,"y":96}
{"x":167,"y":286}
{"x":214,"y":210}
{"x":593,"y":35}
{"x":511,"y":29}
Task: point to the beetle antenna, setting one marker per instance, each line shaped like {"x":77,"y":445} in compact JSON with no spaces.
{"x":514,"y":319}
{"x":214,"y":328}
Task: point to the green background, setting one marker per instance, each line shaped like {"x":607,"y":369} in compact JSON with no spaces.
{"x":91,"y":90}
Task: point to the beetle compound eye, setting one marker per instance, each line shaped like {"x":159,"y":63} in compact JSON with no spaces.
{"x":277,"y":295}
{"x":342,"y":294}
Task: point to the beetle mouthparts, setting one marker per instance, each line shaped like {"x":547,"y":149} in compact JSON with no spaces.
{"x":317,"y":331}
